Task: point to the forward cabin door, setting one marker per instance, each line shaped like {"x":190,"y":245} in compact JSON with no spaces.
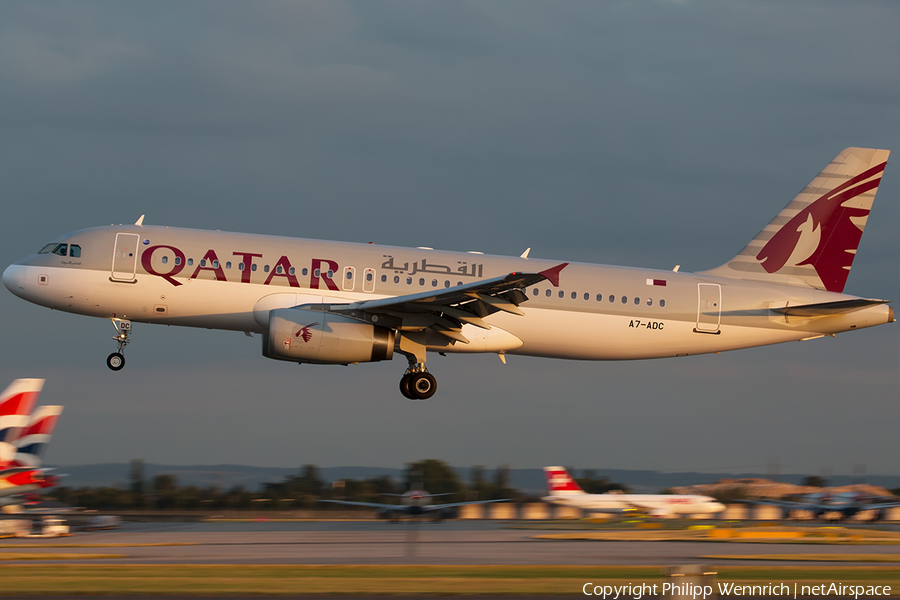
{"x":709,"y":307}
{"x":124,"y":257}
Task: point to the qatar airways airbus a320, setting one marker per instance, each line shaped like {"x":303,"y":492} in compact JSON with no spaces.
{"x":327,"y":302}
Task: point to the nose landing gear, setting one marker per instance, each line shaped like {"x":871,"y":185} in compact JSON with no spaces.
{"x":116,"y":360}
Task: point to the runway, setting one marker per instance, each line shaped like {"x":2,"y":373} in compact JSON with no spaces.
{"x":379,"y":543}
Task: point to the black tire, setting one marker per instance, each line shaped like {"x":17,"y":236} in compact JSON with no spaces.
{"x":422,"y":386}
{"x":115,"y":361}
{"x":404,"y":387}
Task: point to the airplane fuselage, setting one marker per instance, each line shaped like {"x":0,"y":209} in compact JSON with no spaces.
{"x":231,"y":281}
{"x":656,"y":504}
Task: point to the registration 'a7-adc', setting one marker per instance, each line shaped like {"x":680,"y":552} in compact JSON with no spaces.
{"x":325,"y":302}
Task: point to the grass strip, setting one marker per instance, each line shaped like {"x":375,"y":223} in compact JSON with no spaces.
{"x":392,"y":580}
{"x":886,"y":558}
{"x":54,"y":556}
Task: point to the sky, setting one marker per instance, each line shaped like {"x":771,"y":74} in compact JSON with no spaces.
{"x":647,"y":134}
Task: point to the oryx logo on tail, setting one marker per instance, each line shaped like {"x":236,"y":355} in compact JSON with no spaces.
{"x":812,"y":242}
{"x":825,"y":234}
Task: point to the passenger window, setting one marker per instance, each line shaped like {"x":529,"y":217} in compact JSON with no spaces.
{"x":48,"y":248}
{"x":265,"y":268}
{"x":637,"y":300}
{"x":434,"y":283}
{"x":612,"y":298}
{"x":60,"y":249}
{"x":292,"y":270}
{"x":228,"y":265}
{"x":535,"y":292}
{"x":396,"y":279}
{"x":384,"y":279}
{"x":369,"y":277}
{"x":279,"y":269}
{"x":190,"y":262}
{"x":252,"y":266}
{"x":330,"y":274}
{"x":624,"y":299}
{"x":177,"y":260}
{"x":662,"y":303}
{"x":649,"y":301}
{"x":599,"y":297}
{"x":548,"y":293}
{"x":561,"y":293}
{"x":240,"y":266}
{"x":409,"y":281}
{"x":421,"y":281}
{"x":317,"y":273}
{"x":215,"y":264}
{"x":587,"y":296}
{"x":202,"y":262}
{"x":304,"y":272}
{"x":574,"y":295}
{"x":165,"y":260}
{"x":447,"y":283}
{"x":75,"y":251}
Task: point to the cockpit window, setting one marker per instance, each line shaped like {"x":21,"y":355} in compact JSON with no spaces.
{"x":61,"y":249}
{"x":48,"y":248}
{"x":75,"y":251}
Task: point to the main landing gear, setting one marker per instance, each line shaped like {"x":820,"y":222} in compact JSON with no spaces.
{"x":116,"y":360}
{"x":417,"y":383}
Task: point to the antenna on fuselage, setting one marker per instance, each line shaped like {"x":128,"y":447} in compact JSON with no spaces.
{"x":140,"y":222}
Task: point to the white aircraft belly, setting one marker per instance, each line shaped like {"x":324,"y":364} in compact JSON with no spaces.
{"x":596,"y":336}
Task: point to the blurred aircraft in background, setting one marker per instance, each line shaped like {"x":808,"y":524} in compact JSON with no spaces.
{"x":415,"y":503}
{"x":564,"y":491}
{"x":327,"y":302}
{"x":820,"y":505}
{"x":23,"y":438}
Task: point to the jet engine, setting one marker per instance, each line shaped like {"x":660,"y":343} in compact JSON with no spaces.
{"x":312,"y":336}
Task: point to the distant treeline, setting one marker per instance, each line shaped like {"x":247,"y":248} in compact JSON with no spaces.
{"x":306,"y":489}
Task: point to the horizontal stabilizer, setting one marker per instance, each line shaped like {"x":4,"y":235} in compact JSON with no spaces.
{"x":826,"y":309}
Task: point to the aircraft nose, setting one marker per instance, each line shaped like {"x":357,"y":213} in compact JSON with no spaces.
{"x":14,"y":280}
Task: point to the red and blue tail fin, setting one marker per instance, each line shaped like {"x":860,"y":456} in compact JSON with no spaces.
{"x":33,"y":439}
{"x":16,"y":403}
{"x":813,"y":240}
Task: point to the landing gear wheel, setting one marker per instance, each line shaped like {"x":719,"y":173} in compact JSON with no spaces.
{"x":422,"y":386}
{"x":404,"y":387}
{"x":115,"y":361}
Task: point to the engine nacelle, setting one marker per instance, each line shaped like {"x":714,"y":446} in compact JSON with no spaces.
{"x":312,"y":336}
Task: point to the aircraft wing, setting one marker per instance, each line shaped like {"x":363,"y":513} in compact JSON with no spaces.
{"x":369,"y":504}
{"x":879,"y":506}
{"x":455,"y":504}
{"x":447,"y":310}
{"x":790,"y":504}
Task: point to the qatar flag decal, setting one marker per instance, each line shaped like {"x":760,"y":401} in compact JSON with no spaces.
{"x":661,"y":282}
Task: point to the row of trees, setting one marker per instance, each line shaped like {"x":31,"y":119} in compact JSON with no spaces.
{"x":307,"y":488}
